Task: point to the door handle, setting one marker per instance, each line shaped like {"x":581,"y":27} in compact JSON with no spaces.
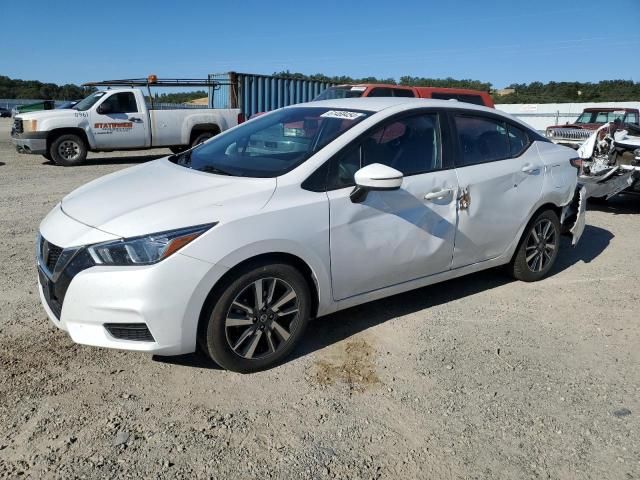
{"x":135,"y":119}
{"x":437,"y":195}
{"x":530,"y":169}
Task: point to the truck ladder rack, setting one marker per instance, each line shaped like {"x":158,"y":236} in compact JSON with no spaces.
{"x":160,"y":82}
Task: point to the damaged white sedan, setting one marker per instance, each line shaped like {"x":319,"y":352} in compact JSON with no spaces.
{"x":236,"y":244}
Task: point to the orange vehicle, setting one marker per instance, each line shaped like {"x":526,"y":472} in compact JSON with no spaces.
{"x":476,"y":97}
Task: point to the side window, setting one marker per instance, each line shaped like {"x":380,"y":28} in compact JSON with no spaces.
{"x":481,"y":139}
{"x":124,"y":102}
{"x":443,"y":96}
{"x":518,"y":140}
{"x":632,"y":117}
{"x":401,"y":92}
{"x":475,"y":99}
{"x":380,"y":92}
{"x":411,"y":145}
{"x":343,"y":168}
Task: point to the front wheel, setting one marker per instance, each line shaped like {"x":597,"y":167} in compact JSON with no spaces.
{"x":538,"y":249}
{"x":68,"y":150}
{"x":258,"y":318}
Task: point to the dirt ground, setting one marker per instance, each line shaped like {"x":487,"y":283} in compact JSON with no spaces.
{"x":477,"y":378}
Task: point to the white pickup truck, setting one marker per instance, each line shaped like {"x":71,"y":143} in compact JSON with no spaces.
{"x":115,"y":119}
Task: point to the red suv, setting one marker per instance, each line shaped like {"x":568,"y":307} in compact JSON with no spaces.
{"x":384,"y":90}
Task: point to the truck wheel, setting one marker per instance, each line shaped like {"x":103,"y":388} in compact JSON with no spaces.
{"x":202,"y":137}
{"x":68,"y":150}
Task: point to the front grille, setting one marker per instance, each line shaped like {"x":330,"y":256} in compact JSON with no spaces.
{"x":137,"y":332}
{"x":53,"y":254}
{"x":17,"y":126}
{"x":579,"y":134}
{"x":55,"y":281}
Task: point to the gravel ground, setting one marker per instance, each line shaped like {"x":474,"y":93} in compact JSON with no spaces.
{"x":480,"y":377}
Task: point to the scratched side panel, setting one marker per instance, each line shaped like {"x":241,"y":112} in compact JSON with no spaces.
{"x":393,"y":236}
{"x":501,"y":197}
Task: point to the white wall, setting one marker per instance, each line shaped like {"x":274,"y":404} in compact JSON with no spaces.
{"x":542,"y":115}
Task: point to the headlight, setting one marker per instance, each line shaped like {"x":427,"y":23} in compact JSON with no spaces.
{"x":147,"y":249}
{"x":549,"y":133}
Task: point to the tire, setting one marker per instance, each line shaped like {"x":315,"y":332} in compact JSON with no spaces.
{"x":178,"y":149}
{"x":238,"y":335}
{"x":201,"y":137}
{"x":68,"y":150}
{"x":534,"y":258}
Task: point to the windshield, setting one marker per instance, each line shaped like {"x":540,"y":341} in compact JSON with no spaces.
{"x":341,"y":92}
{"x":89,"y":101}
{"x":271,"y":145}
{"x":600,"y":117}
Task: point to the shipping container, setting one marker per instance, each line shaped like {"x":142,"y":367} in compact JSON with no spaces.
{"x":253,"y":93}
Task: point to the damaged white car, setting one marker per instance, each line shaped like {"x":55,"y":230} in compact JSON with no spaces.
{"x":610,"y":161}
{"x":236,"y":244}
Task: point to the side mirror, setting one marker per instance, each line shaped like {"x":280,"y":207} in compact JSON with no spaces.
{"x":375,"y":177}
{"x":103,"y":109}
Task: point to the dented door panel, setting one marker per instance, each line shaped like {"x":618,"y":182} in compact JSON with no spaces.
{"x":393,"y":236}
{"x":500,"y":195}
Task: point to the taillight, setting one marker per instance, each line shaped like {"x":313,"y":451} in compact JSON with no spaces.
{"x":241,"y":118}
{"x":576,"y":162}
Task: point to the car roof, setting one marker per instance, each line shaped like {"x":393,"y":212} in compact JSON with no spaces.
{"x":377,"y":104}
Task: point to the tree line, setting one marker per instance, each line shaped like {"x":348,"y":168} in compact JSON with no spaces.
{"x":14,"y":88}
{"x":534,"y":92}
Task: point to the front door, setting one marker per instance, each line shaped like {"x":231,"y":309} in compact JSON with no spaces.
{"x":392,"y":236}
{"x":122,"y":125}
{"x":501,"y":176}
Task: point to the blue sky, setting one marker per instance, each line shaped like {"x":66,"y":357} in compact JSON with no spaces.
{"x":498,"y":41}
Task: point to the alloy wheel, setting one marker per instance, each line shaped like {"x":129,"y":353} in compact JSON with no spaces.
{"x":262,"y":318}
{"x":541,"y":245}
{"x":69,"y":150}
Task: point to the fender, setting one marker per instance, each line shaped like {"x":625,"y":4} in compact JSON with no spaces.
{"x":321,"y":276}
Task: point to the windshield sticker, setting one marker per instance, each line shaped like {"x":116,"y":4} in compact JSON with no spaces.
{"x":342,"y":114}
{"x":358,"y":89}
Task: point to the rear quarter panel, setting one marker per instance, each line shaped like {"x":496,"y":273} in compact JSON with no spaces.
{"x":173,"y":127}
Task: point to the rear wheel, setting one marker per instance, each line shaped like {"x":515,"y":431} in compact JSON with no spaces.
{"x":258,"y":318}
{"x":68,"y":150}
{"x":201,"y":137}
{"x":538,"y":249}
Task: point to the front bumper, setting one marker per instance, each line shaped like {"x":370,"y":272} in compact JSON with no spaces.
{"x":166,"y":297}
{"x":35,"y":143}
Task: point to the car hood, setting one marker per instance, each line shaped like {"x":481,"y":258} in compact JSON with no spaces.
{"x":160,"y":195}
{"x":47,"y":114}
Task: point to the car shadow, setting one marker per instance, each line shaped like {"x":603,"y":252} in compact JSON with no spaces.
{"x":339,"y":326}
{"x":2,"y":164}
{"x":116,"y":160}
{"x":621,"y":204}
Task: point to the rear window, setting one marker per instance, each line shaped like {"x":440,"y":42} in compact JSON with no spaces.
{"x":482,"y":139}
{"x":467,"y":98}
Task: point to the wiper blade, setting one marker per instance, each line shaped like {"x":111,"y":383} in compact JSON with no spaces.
{"x":211,"y":169}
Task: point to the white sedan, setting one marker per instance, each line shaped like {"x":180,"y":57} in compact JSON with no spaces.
{"x":236,"y":244}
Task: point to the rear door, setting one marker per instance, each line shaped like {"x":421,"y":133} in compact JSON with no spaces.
{"x":393,"y":236}
{"x":119,"y":122}
{"x":500,"y":177}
